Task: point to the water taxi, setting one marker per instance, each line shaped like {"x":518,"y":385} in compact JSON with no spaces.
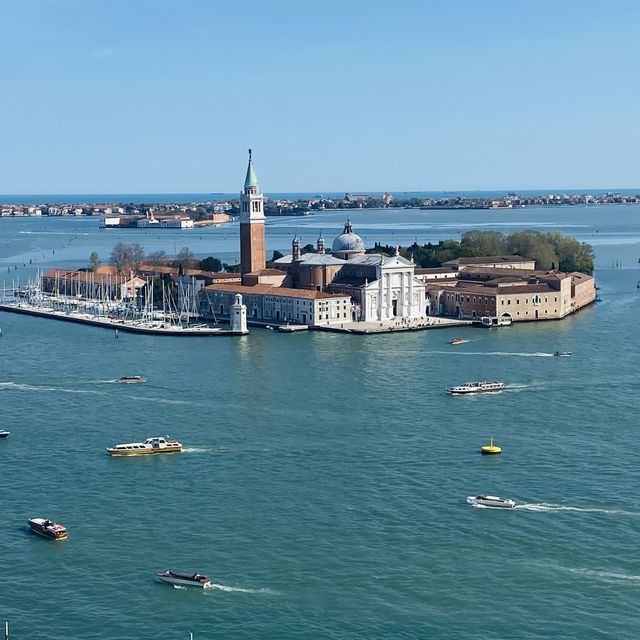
{"x":490,"y":449}
{"x":493,"y":502}
{"x":184,"y":579}
{"x":4,"y":434}
{"x":476,"y":387}
{"x":47,"y":528}
{"x":457,"y":341}
{"x":132,"y":379}
{"x":157,"y":444}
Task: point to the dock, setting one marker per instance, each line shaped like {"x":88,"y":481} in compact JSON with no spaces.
{"x":149,"y":328}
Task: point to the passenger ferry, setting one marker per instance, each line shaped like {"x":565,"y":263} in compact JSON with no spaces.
{"x":47,"y":528}
{"x":150,"y":445}
{"x":476,"y":387}
{"x":184,"y":579}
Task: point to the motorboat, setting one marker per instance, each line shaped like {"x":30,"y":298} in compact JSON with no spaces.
{"x":47,"y":528}
{"x":562,"y":354}
{"x":458,"y":341}
{"x":476,"y":387}
{"x":184,"y":579}
{"x":4,"y":434}
{"x":493,"y":502}
{"x":490,"y":449}
{"x":132,"y":379}
{"x":157,"y":444}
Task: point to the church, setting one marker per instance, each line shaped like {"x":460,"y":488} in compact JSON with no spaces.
{"x":325,"y":288}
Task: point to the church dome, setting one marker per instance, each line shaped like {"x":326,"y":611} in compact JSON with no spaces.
{"x":348,"y":241}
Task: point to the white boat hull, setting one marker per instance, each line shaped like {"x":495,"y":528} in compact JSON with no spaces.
{"x":491,"y":502}
{"x":184,"y":583}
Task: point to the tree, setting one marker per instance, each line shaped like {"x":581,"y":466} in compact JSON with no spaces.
{"x":484,"y":243}
{"x":184,"y":257}
{"x":157,"y":258}
{"x":120,"y":256}
{"x":94,"y":261}
{"x":277,"y":255}
{"x":210,"y":264}
{"x":137,"y":255}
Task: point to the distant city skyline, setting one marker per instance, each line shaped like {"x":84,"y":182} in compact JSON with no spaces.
{"x":164,"y":97}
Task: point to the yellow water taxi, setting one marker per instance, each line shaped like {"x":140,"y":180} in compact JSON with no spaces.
{"x":157,"y":444}
{"x":490,"y":449}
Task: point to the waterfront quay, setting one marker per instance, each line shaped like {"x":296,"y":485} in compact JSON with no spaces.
{"x":116,"y":325}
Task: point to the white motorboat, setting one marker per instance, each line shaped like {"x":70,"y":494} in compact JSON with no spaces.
{"x":476,"y":387}
{"x":132,"y":379}
{"x":47,"y":528}
{"x":157,"y":444}
{"x":494,"y":502}
{"x":4,"y":434}
{"x":184,"y":579}
{"x":562,"y":354}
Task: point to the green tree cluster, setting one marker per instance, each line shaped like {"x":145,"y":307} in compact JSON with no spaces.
{"x":552,"y":250}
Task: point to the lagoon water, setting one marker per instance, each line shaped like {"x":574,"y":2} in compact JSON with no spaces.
{"x":324,"y":480}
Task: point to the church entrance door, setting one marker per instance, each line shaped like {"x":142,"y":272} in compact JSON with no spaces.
{"x":394,"y":307}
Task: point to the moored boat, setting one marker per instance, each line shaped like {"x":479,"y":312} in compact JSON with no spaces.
{"x":47,"y":528}
{"x":4,"y":434}
{"x":458,"y":341}
{"x":156,"y":444}
{"x":493,"y":502}
{"x":476,"y":387}
{"x":132,"y":379}
{"x":184,"y":579}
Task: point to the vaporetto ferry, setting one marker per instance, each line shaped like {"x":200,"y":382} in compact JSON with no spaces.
{"x":156,"y":444}
{"x":476,"y":387}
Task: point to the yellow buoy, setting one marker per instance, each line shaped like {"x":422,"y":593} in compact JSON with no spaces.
{"x":490,"y":449}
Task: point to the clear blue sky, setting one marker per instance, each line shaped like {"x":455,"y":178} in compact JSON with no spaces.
{"x":131,"y":96}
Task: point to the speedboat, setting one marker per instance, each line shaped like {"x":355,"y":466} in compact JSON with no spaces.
{"x":562,"y":354}
{"x":4,"y":434}
{"x":47,"y":528}
{"x":458,"y":341}
{"x":157,"y":444}
{"x":132,"y":379}
{"x":476,"y":387}
{"x":493,"y":502}
{"x":184,"y":579}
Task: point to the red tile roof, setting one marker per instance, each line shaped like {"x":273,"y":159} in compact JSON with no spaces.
{"x":267,"y":289}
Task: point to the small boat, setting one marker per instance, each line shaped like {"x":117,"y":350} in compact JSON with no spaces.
{"x":184,"y":579}
{"x":458,"y":341}
{"x":47,"y":528}
{"x":493,"y":502}
{"x":132,"y":379}
{"x":4,"y":434}
{"x":490,"y":449}
{"x":476,"y":387}
{"x":157,"y":444}
{"x":562,"y":354}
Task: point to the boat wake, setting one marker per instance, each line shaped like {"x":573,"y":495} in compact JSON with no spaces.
{"x":224,"y":587}
{"x":19,"y":386}
{"x":548,"y":507}
{"x":604,"y":576}
{"x":517,"y":354}
{"x":195,"y":450}
{"x":179,"y":586}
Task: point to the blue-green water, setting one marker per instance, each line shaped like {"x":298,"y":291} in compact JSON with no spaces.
{"x":324,"y":476}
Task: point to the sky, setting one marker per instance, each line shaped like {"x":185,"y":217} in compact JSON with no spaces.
{"x":166,"y":96}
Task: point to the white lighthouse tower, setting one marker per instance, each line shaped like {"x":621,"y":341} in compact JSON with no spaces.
{"x":238,"y":315}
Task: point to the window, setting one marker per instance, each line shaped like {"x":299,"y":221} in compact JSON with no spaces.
{"x":517,"y":300}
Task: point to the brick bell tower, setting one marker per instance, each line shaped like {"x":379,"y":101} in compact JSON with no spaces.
{"x":252,"y":250}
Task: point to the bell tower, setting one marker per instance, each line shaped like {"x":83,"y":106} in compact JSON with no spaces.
{"x":252,"y":249}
